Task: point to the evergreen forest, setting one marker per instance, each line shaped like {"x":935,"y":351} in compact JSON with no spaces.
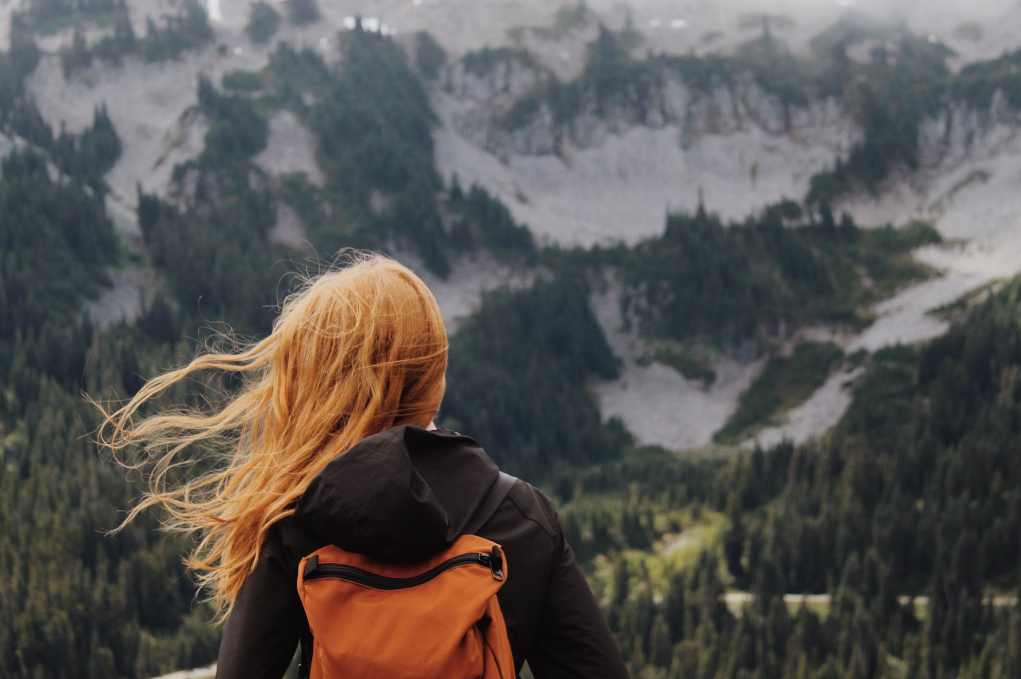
{"x":890,"y":549}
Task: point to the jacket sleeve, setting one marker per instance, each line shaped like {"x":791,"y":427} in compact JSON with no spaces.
{"x":573,"y":640}
{"x":261,"y":634}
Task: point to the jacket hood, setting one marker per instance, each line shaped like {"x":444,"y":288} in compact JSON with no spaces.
{"x":403,"y":494}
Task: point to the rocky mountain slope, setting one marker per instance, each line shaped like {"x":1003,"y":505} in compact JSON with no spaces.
{"x":604,"y":176}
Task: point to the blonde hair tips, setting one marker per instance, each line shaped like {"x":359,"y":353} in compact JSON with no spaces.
{"x":354,"y":352}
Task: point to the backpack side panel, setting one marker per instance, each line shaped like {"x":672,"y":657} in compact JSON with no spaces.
{"x":499,"y":660}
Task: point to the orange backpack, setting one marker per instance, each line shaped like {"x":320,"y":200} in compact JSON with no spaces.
{"x":431,"y":620}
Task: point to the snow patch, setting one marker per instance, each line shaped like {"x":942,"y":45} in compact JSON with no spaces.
{"x":657,"y":404}
{"x":214,"y":11}
{"x":813,"y":417}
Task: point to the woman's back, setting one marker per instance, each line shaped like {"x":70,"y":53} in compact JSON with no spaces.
{"x":405,"y":494}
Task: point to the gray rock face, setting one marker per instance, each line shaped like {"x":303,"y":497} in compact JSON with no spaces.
{"x":959,"y":133}
{"x":487,"y":99}
{"x":505,"y":81}
{"x":962,"y":132}
{"x":487,"y":96}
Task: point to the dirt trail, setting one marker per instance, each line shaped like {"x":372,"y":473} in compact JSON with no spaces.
{"x":737,"y":600}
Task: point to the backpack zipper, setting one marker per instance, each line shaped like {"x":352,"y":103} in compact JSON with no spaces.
{"x":315,"y":571}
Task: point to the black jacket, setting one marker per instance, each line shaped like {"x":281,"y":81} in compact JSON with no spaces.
{"x":406,"y":493}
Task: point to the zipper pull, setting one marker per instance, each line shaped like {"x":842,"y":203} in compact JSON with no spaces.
{"x":496,"y":563}
{"x":311,"y":565}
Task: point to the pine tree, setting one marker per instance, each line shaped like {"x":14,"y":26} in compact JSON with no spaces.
{"x":1013,"y":663}
{"x":263,"y":22}
{"x":660,"y":647}
{"x":673,"y":605}
{"x":77,"y":56}
{"x":302,"y":12}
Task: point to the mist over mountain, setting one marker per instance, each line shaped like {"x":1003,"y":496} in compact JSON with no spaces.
{"x":736,"y":283}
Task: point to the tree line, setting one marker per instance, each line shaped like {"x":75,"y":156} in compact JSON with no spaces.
{"x":914,"y":493}
{"x":188,"y":29}
{"x":703,"y":278}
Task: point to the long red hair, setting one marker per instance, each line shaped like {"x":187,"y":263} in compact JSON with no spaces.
{"x":356,"y":351}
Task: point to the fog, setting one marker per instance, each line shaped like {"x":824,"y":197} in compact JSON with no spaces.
{"x":974,"y":30}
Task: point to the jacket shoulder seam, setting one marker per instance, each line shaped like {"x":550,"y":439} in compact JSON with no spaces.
{"x":550,"y":534}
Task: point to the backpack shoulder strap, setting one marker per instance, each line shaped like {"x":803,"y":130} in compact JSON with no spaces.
{"x":305,"y":659}
{"x":494,"y":498}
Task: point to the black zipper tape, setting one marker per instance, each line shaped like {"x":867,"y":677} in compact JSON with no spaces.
{"x":316,"y":571}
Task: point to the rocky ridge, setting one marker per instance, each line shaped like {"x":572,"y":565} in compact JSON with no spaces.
{"x":485,"y":100}
{"x":599,"y":177}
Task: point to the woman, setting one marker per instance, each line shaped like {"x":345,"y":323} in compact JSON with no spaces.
{"x":338,"y":401}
